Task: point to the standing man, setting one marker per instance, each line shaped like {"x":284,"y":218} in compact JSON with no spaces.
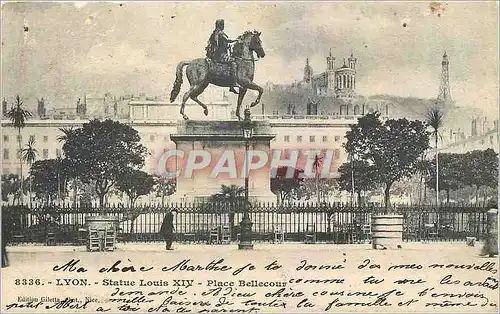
{"x":167,"y":230}
{"x":217,"y":50}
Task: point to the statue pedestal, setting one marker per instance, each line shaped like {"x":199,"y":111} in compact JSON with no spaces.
{"x":220,"y":147}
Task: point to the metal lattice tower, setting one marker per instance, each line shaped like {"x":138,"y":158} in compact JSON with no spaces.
{"x":444,"y":88}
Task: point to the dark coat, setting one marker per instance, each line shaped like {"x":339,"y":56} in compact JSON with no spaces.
{"x":167,"y":227}
{"x":218,"y":45}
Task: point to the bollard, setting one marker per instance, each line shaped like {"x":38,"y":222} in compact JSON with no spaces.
{"x":491,"y":244}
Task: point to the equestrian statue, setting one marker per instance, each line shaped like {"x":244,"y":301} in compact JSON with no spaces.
{"x":223,"y":67}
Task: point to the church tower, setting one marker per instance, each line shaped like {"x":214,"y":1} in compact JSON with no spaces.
{"x":308,"y":72}
{"x":352,"y":61}
{"x":330,"y":72}
{"x":330,"y":62}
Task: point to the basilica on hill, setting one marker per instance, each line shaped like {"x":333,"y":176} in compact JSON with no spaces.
{"x":339,"y":82}
{"x":329,"y":93}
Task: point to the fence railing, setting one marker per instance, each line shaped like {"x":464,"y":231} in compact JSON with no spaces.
{"x":335,"y":222}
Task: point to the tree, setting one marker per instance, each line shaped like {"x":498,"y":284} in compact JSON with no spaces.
{"x":49,"y":178}
{"x":87,"y":193}
{"x":67,"y":134}
{"x":224,"y":200}
{"x":229,"y":193}
{"x":451,"y":169}
{"x":317,"y":163}
{"x":29,"y":154}
{"x":10,"y":186}
{"x":164,"y":187}
{"x":435,"y":119}
{"x":423,"y":169}
{"x":320,"y":188}
{"x":103,"y":151}
{"x":18,"y":117}
{"x":284,"y":185}
{"x":481,"y":169}
{"x":365,"y":177}
{"x":393,"y":148}
{"x":135,"y":183}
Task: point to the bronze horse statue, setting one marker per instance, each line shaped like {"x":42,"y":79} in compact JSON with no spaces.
{"x":202,"y":72}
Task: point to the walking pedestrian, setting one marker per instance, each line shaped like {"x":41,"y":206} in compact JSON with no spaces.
{"x":167,"y":230}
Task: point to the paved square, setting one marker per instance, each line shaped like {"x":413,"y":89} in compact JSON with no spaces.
{"x":303,"y":278}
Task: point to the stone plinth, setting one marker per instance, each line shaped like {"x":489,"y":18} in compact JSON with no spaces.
{"x":224,"y":144}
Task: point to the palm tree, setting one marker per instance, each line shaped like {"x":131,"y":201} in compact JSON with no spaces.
{"x":229,"y":193}
{"x":18,"y":117}
{"x":29,"y":154}
{"x":317,"y":163}
{"x":67,"y":134}
{"x":435,"y":120}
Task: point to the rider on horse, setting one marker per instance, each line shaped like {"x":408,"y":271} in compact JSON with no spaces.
{"x":218,"y":50}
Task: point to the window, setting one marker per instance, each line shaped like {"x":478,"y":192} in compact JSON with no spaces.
{"x":337,"y":138}
{"x":312,"y":138}
{"x":287,"y":138}
{"x":45,"y":153}
{"x":58,"y":152}
{"x":336,"y":153}
{"x":5,"y":138}
{"x":32,"y":138}
{"x":20,"y":138}
{"x":152,"y":138}
{"x":299,"y":138}
{"x":18,"y":154}
{"x":45,"y":138}
{"x":325,"y":138}
{"x":491,"y":139}
{"x":5,"y":153}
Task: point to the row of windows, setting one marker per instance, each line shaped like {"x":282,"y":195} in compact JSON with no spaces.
{"x":20,"y":138}
{"x":336,"y":153}
{"x":6,"y":138}
{"x":312,"y":138}
{"x":153,"y":138}
{"x":45,"y":153}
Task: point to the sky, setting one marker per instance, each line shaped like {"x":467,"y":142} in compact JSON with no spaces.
{"x":122,"y":48}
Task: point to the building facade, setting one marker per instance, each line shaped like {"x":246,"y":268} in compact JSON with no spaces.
{"x":156,"y":121}
{"x":483,"y":134}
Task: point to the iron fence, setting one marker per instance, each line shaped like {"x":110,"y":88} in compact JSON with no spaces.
{"x":334,"y":222}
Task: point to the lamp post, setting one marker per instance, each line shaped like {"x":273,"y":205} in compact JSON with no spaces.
{"x":246,"y":223}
